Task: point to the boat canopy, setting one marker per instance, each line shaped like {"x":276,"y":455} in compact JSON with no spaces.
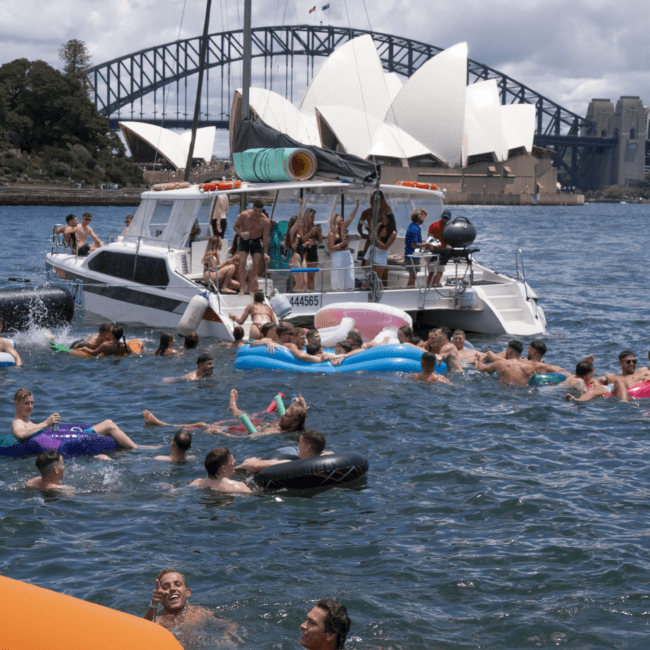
{"x":256,"y":134}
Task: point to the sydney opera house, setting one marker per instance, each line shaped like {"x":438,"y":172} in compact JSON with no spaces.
{"x":431,"y":127}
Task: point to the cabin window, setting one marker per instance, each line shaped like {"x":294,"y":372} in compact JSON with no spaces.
{"x":160,"y":218}
{"x":151,"y":271}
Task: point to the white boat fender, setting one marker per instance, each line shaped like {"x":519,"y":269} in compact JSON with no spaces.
{"x":193,"y":315}
{"x":280,"y":305}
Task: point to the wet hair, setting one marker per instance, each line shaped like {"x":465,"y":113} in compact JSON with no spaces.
{"x":166,"y":339}
{"x":407,"y":331}
{"x":460,"y":331}
{"x":311,"y":333}
{"x":624,"y":354}
{"x":284,"y":328}
{"x":447,"y":332}
{"x":258,"y":296}
{"x":191,"y":340}
{"x":105,"y":327}
{"x":238,"y":333}
{"x":315,"y":439}
{"x":540,"y":346}
{"x":355,"y":338}
{"x":516,"y":346}
{"x":46,"y":461}
{"x":118,"y":333}
{"x":313,"y":348}
{"x":345,"y":345}
{"x":428,"y":360}
{"x":183,"y":439}
{"x":415,"y":340}
{"x":21,"y":394}
{"x":299,"y":414}
{"x":267,"y":327}
{"x":164,"y":572}
{"x":215,"y":459}
{"x":337,"y":619}
{"x":69,"y":218}
{"x":584,"y":368}
{"x":202,"y":358}
{"x":258,"y":204}
{"x":2,"y":322}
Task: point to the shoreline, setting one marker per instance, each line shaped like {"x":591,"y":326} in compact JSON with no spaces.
{"x":63,"y":196}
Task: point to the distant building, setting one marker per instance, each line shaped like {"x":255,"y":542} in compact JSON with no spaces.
{"x":628,"y":124}
{"x":154,"y":146}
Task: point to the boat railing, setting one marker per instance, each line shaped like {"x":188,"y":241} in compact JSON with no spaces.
{"x":521,"y":277}
{"x":213,"y":285}
{"x":58,"y":240}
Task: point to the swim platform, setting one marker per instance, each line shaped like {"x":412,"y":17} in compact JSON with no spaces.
{"x":383,"y":358}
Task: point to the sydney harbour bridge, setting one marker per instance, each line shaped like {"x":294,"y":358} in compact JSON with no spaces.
{"x":155,"y":85}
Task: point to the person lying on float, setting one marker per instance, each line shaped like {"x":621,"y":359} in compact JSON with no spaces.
{"x":6,"y":346}
{"x":310,"y":445}
{"x":291,"y":338}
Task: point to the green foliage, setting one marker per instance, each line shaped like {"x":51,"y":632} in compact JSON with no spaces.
{"x":56,"y":122}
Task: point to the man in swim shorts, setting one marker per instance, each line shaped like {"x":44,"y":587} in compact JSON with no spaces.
{"x":428,"y":373}
{"x":204,"y":368}
{"x":220,"y":464}
{"x":292,"y":421}
{"x":6,"y":346}
{"x":51,"y":467}
{"x":252,"y":226}
{"x":23,"y":428}
{"x":511,"y":370}
{"x":181,"y":442}
{"x":172,"y":592}
{"x":259,"y":312}
{"x":310,"y":445}
{"x":83,"y":232}
{"x":326,"y":627}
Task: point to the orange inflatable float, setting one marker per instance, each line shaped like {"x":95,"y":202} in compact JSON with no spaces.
{"x":135,"y":344}
{"x":34,"y":617}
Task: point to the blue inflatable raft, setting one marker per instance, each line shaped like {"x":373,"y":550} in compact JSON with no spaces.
{"x":383,"y":358}
{"x":69,"y":440}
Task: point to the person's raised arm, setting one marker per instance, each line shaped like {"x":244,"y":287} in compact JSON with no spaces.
{"x":23,"y":431}
{"x":296,"y":229}
{"x":255,"y":464}
{"x":156,"y":599}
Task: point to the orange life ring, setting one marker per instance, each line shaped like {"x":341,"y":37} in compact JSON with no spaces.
{"x":418,"y":185}
{"x":67,"y":623}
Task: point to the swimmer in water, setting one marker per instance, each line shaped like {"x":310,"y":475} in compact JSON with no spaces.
{"x":536,"y":350}
{"x":458,"y":339}
{"x":172,"y":592}
{"x":181,"y":443}
{"x":220,"y":464}
{"x":510,"y":370}
{"x":238,"y":335}
{"x":111,"y":346}
{"x":310,"y":445}
{"x":166,"y":345}
{"x":23,"y":428}
{"x":428,"y":373}
{"x":6,"y":346}
{"x":94,"y":341}
{"x":204,"y":368}
{"x":440,"y":344}
{"x":326,"y":627}
{"x":292,"y":421}
{"x":51,"y":467}
{"x":259,"y":312}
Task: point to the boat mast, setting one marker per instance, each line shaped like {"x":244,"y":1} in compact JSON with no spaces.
{"x":197,"y":104}
{"x":246,"y":72}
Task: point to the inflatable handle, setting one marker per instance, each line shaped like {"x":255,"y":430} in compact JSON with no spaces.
{"x":280,"y":404}
{"x":246,"y":421}
{"x":273,"y":405}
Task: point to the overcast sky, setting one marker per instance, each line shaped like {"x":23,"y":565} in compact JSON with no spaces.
{"x":568,"y":50}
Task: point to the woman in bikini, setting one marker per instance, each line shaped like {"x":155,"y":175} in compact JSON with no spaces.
{"x":313,"y":237}
{"x":295,"y":241}
{"x":224,"y":272}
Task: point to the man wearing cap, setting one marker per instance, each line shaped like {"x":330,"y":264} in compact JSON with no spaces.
{"x":435,"y":232}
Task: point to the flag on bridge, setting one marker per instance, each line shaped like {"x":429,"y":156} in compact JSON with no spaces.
{"x":311,"y":11}
{"x":327,"y":6}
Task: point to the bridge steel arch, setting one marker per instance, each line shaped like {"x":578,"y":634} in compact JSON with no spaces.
{"x":121,"y":81}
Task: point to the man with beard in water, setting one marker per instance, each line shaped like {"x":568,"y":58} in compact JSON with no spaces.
{"x":171,"y":591}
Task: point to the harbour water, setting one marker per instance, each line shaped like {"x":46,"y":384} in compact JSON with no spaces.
{"x":492,"y":517}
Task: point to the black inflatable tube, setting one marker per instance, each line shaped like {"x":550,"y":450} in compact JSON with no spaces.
{"x":24,"y":307}
{"x":320,"y":471}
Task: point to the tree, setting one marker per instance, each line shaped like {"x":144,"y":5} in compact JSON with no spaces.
{"x":76,"y":60}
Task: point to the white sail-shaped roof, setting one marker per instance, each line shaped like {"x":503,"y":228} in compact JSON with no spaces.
{"x":483,"y":120}
{"x":518,"y":125}
{"x":431,"y":105}
{"x":366,"y":136}
{"x":351,"y":76}
{"x":174,"y":147}
{"x":393,"y":84}
{"x":282,"y":115}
